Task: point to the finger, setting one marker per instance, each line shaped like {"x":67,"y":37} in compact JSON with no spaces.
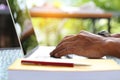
{"x":63,"y":52}
{"x":67,"y":39}
{"x":75,"y":37}
{"x":59,"y":54}
{"x":67,"y":45}
{"x":60,"y":47}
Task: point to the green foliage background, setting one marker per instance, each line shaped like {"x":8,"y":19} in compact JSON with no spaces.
{"x":51,"y":31}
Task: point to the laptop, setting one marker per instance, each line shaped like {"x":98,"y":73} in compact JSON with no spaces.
{"x":25,"y":31}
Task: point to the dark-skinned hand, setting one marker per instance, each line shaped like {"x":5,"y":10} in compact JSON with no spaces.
{"x":83,"y":44}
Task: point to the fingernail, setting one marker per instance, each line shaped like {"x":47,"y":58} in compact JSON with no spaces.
{"x":56,"y":55}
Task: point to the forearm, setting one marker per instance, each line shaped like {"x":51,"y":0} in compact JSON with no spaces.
{"x":113,"y":47}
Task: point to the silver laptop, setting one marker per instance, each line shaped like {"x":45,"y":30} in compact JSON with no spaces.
{"x":25,"y":30}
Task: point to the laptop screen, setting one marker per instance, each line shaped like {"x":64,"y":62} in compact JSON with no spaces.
{"x":8,"y":37}
{"x":23,"y":25}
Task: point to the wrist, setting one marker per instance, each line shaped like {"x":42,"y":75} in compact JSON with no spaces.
{"x":112,"y":46}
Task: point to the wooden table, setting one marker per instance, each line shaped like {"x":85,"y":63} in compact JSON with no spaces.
{"x":37,"y":12}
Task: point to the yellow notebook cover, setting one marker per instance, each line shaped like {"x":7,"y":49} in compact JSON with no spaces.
{"x":83,"y":65}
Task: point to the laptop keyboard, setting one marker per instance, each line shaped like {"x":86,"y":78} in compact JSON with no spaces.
{"x":7,"y":57}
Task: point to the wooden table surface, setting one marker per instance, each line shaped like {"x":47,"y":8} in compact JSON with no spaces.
{"x":37,"y":12}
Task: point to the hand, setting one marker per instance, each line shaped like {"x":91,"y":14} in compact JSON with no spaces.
{"x":84,"y":44}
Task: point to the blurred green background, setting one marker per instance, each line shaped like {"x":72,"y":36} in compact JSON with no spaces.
{"x":51,"y":31}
